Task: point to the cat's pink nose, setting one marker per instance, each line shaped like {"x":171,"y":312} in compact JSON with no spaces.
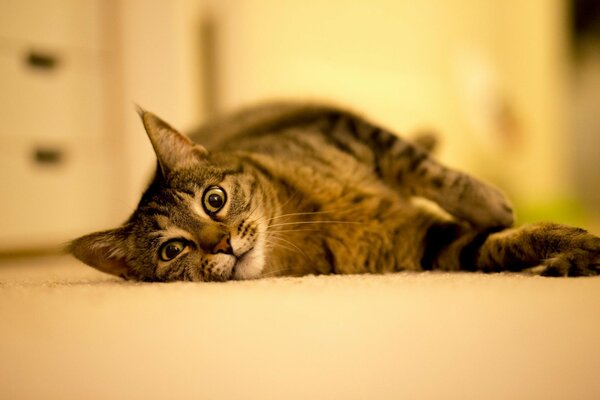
{"x":223,"y":246}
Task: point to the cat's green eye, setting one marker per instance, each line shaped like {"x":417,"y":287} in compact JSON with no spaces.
{"x":171,"y":249}
{"x":214,"y":199}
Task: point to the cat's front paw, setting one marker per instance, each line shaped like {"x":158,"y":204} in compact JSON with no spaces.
{"x":580,"y":256}
{"x":576,"y":262}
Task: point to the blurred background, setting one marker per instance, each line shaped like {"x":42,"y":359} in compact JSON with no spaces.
{"x":511,"y":87}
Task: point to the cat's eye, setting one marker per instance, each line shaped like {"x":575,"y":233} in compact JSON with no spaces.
{"x":214,"y":199}
{"x":171,"y":249}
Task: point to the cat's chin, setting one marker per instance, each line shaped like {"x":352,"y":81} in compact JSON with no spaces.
{"x":249,"y":265}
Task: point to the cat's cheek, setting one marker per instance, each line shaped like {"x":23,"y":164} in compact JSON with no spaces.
{"x":239,"y":245}
{"x":219,"y":268}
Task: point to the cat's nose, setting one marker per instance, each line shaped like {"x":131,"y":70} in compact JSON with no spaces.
{"x":223,"y":246}
{"x":215,"y":239}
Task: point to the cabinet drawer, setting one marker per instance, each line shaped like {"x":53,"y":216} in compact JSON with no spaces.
{"x":54,"y":171}
{"x":48,"y":92}
{"x":51,"y":192}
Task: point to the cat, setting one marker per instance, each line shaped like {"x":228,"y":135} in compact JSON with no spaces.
{"x":292,"y":189}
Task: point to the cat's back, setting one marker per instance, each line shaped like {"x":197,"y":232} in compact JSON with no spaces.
{"x":253,"y":124}
{"x":296,"y":135}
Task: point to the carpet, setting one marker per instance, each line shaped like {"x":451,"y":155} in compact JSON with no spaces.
{"x":69,"y":332}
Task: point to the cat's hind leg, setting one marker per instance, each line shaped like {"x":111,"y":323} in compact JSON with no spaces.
{"x":462,"y":195}
{"x":411,"y":168}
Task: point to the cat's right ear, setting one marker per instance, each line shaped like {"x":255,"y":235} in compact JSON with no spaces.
{"x":171,"y":147}
{"x":105,"y":251}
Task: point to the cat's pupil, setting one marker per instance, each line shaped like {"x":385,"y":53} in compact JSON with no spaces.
{"x":173,"y":249}
{"x":215,"y":200}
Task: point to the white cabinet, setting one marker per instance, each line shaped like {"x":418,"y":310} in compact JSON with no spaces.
{"x":54,"y":157}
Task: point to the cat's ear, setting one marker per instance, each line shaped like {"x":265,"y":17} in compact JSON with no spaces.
{"x":171,"y":147}
{"x":104,"y":250}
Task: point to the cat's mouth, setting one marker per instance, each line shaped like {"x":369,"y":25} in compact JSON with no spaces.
{"x":240,"y":261}
{"x":247,"y":265}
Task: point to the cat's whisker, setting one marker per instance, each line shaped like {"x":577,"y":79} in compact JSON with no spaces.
{"x":277,"y":273}
{"x":299,"y":214}
{"x":289,"y":199}
{"x":276,"y":242}
{"x":315,"y":222}
{"x":273,"y":273}
{"x":281,"y":206}
{"x":315,"y":212}
{"x":257,"y":219}
{"x":292,"y":230}
{"x":260,"y":218}
{"x":255,"y":208}
{"x":291,"y":244}
{"x":279,"y":245}
{"x":251,"y":213}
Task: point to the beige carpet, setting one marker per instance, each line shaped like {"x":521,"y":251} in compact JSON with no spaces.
{"x":69,"y":332}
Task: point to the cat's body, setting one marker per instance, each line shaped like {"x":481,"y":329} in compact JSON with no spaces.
{"x":296,"y":189}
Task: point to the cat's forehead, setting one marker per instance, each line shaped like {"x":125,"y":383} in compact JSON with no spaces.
{"x":191,"y":179}
{"x":180,"y":196}
{"x":210,"y":171}
{"x":181,"y":189}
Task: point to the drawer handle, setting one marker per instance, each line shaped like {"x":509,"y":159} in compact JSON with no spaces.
{"x":48,"y":156}
{"x":41,"y":60}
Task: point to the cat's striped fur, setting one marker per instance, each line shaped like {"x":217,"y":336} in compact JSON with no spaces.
{"x":295,"y":189}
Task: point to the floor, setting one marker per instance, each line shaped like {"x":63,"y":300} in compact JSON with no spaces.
{"x":69,"y":332}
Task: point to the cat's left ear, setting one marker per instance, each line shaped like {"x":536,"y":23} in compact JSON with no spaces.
{"x":172,"y":148}
{"x":106,"y":251}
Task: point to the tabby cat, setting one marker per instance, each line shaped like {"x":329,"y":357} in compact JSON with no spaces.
{"x":296,"y":189}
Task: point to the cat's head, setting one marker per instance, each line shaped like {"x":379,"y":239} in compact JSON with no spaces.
{"x":202,"y":218}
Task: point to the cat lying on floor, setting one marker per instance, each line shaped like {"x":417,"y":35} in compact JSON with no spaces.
{"x":296,"y":189}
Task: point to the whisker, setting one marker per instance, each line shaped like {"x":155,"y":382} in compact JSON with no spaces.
{"x":258,"y":203}
{"x":290,"y":198}
{"x":255,"y":208}
{"x":292,"y":230}
{"x":273,"y":273}
{"x":315,"y":212}
{"x":275,"y":245}
{"x":315,"y":222}
{"x":299,"y":213}
{"x":257,"y":219}
{"x":293,"y":245}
